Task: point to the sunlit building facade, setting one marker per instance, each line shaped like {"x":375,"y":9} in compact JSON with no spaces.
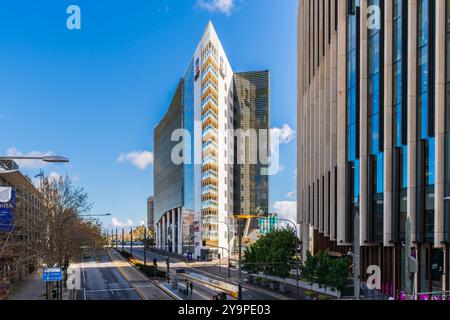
{"x":373,"y":144}
{"x":195,"y":199}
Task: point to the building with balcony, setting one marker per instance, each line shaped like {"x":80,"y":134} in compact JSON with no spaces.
{"x":373,"y":160}
{"x":195,"y":197}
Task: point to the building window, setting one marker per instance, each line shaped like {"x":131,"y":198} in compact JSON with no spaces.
{"x":352,"y":116}
{"x":375,"y":127}
{"x":425,"y":119}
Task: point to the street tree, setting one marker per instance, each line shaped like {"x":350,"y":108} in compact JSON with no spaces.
{"x":272,"y":254}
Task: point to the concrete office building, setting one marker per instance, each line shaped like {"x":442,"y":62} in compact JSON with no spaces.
{"x":150,"y":213}
{"x":373,"y":142}
{"x":195,"y":198}
{"x":25,"y":233}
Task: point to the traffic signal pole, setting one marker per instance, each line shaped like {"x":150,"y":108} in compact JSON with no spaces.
{"x":145,"y":247}
{"x":240,"y":260}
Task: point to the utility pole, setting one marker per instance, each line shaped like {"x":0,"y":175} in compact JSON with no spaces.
{"x":131,"y":242}
{"x":116,"y":238}
{"x":145,"y":246}
{"x":298,"y":293}
{"x":123,"y":239}
{"x":356,"y":256}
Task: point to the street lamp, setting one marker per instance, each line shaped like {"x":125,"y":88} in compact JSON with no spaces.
{"x":95,"y":215}
{"x":228,"y":242}
{"x":49,"y":159}
{"x":292,"y":223}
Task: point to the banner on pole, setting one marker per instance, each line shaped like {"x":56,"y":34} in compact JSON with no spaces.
{"x":7,"y":206}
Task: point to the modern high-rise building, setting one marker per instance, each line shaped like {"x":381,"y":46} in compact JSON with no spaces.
{"x":373,"y":138}
{"x":150,"y":213}
{"x":199,"y":185}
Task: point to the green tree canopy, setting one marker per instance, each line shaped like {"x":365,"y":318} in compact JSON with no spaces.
{"x":272,"y":254}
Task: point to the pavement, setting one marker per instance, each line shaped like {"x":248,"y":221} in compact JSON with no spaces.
{"x":32,"y":288}
{"x":210,"y":270}
{"x":110,"y":277}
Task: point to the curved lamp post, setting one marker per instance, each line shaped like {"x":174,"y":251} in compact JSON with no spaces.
{"x":49,"y":159}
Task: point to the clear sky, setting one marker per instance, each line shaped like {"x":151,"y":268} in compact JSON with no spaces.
{"x":95,"y":94}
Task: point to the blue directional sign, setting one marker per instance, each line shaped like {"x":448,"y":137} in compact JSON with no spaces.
{"x":52,"y":274}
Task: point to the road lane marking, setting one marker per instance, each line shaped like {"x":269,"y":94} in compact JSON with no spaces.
{"x":110,"y":290}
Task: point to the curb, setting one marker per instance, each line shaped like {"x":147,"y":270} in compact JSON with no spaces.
{"x":170,"y":293}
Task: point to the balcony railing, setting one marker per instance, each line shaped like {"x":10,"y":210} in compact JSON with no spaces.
{"x":209,"y":175}
{"x":209,"y":99}
{"x":210,"y":204}
{"x":209,"y":189}
{"x":210,"y":69}
{"x":210,"y":235}
{"x":209,"y":144}
{"x":209,"y":84}
{"x":210,"y":114}
{"x":210,"y":131}
{"x":209,"y":160}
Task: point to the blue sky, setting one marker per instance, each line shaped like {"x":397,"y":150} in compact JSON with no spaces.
{"x":95,"y":94}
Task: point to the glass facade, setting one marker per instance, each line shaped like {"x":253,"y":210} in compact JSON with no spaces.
{"x":375,"y":129}
{"x":425,"y":120}
{"x":399,"y":119}
{"x":267,"y":225}
{"x":168,"y":177}
{"x":189,"y":181}
{"x":352,"y":118}
{"x":251,"y":113}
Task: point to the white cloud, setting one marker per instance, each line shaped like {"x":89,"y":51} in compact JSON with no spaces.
{"x":222,"y":6}
{"x":54,"y":176}
{"x":29,"y":164}
{"x":140,"y":159}
{"x":291,"y":194}
{"x":286,"y":210}
{"x":119,"y":224}
{"x":284,"y":134}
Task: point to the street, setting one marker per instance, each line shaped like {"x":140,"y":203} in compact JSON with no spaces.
{"x":101,"y":280}
{"x":212,"y":272}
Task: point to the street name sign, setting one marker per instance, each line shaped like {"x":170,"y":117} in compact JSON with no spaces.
{"x":52,"y":274}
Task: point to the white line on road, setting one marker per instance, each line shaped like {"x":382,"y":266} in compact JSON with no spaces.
{"x":110,"y":290}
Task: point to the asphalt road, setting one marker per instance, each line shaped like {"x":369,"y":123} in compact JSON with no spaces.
{"x":100,"y":280}
{"x":248,"y":292}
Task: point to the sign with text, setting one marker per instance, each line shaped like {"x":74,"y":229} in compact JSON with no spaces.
{"x":7,"y":206}
{"x":52,"y":274}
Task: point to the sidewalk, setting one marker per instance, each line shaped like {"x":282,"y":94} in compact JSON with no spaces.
{"x":32,"y":288}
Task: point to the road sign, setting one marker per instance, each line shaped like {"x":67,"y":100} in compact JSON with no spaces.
{"x":189,"y":256}
{"x":52,"y":274}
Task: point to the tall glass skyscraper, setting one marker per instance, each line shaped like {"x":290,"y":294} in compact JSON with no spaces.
{"x":211,"y":103}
